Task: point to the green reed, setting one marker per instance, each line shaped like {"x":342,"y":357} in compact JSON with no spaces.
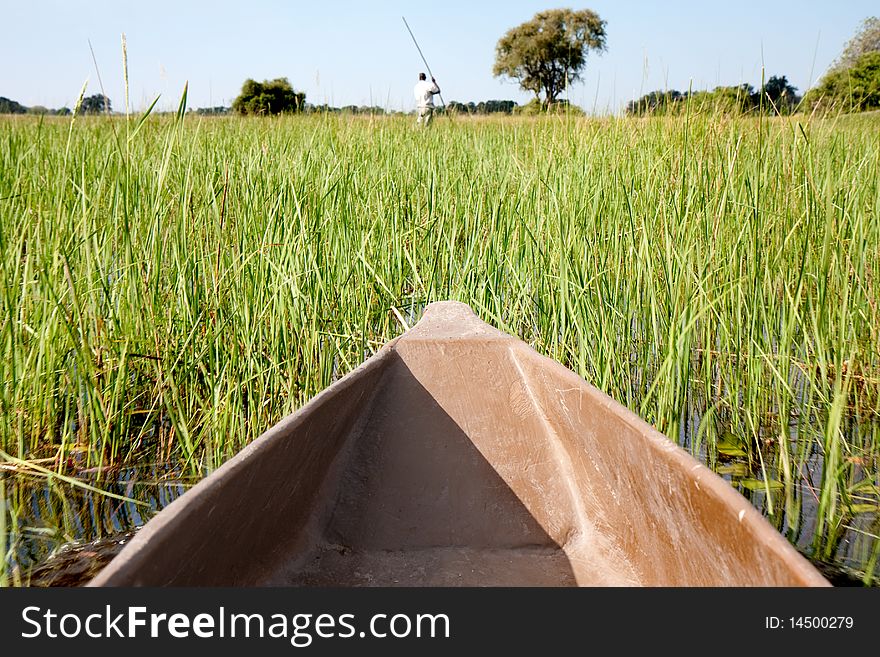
{"x":174,"y":286}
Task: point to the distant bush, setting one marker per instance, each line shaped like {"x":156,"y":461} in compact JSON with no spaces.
{"x":483,"y":107}
{"x":373,"y":110}
{"x":96,"y":104}
{"x":777,"y":96}
{"x":213,"y":111}
{"x":656,"y":102}
{"x":321,"y":109}
{"x":8,"y":106}
{"x":268,"y":97}
{"x":536,"y":107}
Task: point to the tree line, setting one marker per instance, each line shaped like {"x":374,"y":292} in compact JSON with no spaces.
{"x":9,"y":106}
{"x":279,"y":97}
{"x":96,"y":104}
{"x":776,"y":96}
{"x":851,"y":84}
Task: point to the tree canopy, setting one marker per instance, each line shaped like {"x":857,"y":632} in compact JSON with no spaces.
{"x":853,"y":83}
{"x":268,"y":97}
{"x":549,"y":52}
{"x":852,"y":89}
{"x":781,"y":94}
{"x":95,"y":104}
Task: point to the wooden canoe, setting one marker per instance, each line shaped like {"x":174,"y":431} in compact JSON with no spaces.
{"x":459,"y":456}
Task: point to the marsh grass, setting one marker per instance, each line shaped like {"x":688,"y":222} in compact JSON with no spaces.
{"x":173,"y":286}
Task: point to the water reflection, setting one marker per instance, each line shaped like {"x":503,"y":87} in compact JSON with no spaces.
{"x":54,"y":526}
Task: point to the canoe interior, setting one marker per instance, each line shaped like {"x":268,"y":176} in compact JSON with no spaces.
{"x":458,"y":456}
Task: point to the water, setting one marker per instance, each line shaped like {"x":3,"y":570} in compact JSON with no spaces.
{"x":847,"y":554}
{"x":50,"y":521}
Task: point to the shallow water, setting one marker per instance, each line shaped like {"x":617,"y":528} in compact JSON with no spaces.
{"x":848,"y":554}
{"x":52,"y":520}
{"x":58,"y":534}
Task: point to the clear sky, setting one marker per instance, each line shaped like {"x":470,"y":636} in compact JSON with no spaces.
{"x":347,"y":52}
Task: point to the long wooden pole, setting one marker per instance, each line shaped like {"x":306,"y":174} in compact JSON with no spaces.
{"x":422,"y":56}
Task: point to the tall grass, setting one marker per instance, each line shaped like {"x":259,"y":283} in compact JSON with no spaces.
{"x":173,"y":287}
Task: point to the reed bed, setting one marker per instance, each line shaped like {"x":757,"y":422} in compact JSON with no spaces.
{"x":173,"y":287}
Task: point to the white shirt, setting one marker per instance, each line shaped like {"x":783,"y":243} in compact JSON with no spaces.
{"x":424,"y":92}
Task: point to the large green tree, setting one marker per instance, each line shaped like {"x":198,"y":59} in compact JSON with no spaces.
{"x":853,"y":83}
{"x":549,"y":52}
{"x":268,"y":97}
{"x":852,"y":89}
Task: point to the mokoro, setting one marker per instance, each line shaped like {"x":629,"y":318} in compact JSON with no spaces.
{"x":458,"y":456}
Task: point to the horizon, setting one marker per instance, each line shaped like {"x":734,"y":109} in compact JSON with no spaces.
{"x":340,"y":55}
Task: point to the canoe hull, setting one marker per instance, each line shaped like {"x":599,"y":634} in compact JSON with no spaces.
{"x":457,"y":455}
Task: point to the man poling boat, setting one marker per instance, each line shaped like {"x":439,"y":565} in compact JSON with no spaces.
{"x":424,"y":91}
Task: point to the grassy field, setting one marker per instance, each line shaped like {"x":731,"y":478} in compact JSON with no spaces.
{"x":172,"y":289}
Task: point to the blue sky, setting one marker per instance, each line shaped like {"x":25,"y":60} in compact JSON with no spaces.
{"x":359,"y":53}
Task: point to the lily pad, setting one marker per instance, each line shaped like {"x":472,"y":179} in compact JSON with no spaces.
{"x":760,"y":484}
{"x":733,"y":469}
{"x":730,"y":446}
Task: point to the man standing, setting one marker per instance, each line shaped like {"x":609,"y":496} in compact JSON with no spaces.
{"x":424,"y":92}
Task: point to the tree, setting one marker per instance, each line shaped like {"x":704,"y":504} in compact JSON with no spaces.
{"x":856,"y":88}
{"x":781,"y":94}
{"x":853,"y":82}
{"x":537,"y":108}
{"x":96,"y":104}
{"x":9,"y":106}
{"x":218,"y":110}
{"x":549,"y":52}
{"x":268,"y":97}
{"x":866,"y":40}
{"x":656,"y":102}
